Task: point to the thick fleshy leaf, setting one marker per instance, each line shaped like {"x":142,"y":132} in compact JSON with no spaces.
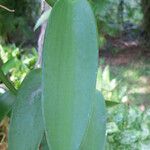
{"x":44,"y":145}
{"x":94,"y":138}
{"x":42,"y":19}
{"x":6,"y":102}
{"x":69,"y":73}
{"x":26,"y":126}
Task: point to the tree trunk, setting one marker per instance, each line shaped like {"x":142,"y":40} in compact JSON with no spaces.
{"x":146,"y":18}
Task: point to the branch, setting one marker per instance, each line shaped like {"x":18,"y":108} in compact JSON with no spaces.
{"x":4,"y":7}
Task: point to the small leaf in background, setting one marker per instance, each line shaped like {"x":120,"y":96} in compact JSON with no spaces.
{"x":99,"y":80}
{"x":111,"y":103}
{"x":17,"y":62}
{"x":99,"y":6}
{"x":6,"y":102}
{"x":113,"y":84}
{"x":145,"y":145}
{"x":7,"y":82}
{"x":10,"y":64}
{"x":107,"y":87}
{"x":129,"y":136}
{"x":26,"y":125}
{"x":145,"y":131}
{"x":112,"y":127}
{"x":94,"y":138}
{"x":106,"y":75}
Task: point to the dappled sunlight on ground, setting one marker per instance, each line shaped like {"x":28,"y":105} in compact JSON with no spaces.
{"x":140,"y":90}
{"x":131,"y":67}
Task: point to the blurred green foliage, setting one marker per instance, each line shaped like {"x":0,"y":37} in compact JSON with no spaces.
{"x":128,"y":128}
{"x":17,"y":62}
{"x":112,"y":92}
{"x":17,"y":27}
{"x":111,"y":15}
{"x":128,"y":125}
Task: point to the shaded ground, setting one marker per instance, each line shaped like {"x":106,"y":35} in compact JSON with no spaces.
{"x":130,"y":64}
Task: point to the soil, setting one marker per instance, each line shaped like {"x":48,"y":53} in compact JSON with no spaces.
{"x":128,"y":51}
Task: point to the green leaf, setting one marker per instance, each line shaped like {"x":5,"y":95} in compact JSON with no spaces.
{"x":95,"y":134}
{"x":69,"y":69}
{"x":99,"y":6}
{"x":10,"y":64}
{"x":51,"y":2}
{"x":26,"y":125}
{"x":42,"y":19}
{"x":106,"y":75}
{"x":44,"y":145}
{"x":6,"y":102}
{"x":8,"y":83}
{"x":111,"y":103}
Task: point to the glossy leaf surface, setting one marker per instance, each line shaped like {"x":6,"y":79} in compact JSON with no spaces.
{"x":44,"y":145}
{"x":44,"y":17}
{"x":69,"y":73}
{"x":6,"y":103}
{"x":26,"y":126}
{"x":94,"y":138}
